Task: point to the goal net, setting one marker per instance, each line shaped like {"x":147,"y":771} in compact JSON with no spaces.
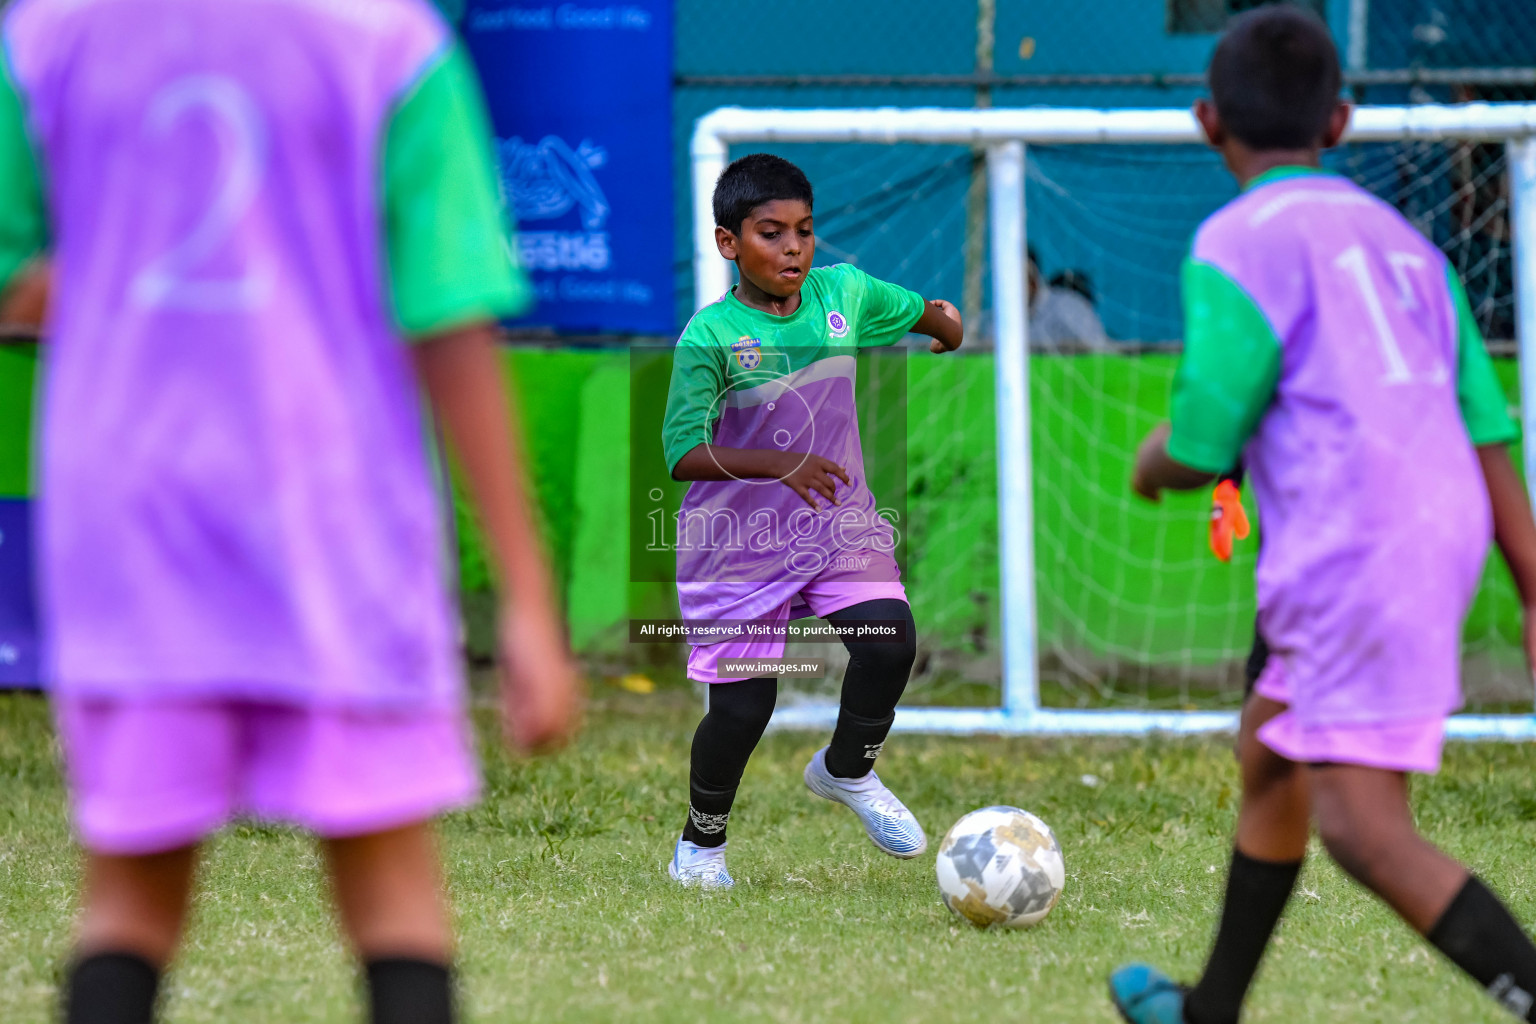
{"x":1047,"y":598}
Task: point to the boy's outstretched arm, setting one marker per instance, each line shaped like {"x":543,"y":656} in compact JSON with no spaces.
{"x":24,"y":278}
{"x":461,"y":374}
{"x":24,"y":300}
{"x":1225,"y":381}
{"x":941,"y":322}
{"x":1491,"y":429}
{"x":1514,"y":531}
{"x":1156,"y":470}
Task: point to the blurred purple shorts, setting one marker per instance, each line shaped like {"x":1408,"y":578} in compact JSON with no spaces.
{"x":1399,"y":745}
{"x":151,"y":776}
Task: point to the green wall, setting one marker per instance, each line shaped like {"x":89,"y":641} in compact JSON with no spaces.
{"x":1117,"y":581}
{"x":17,"y":368}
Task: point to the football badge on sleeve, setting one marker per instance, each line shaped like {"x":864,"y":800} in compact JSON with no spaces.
{"x":748,"y":352}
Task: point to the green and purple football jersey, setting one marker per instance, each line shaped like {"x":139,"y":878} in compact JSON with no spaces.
{"x":246,"y":205}
{"x":1329,"y":344}
{"x":743,"y":378}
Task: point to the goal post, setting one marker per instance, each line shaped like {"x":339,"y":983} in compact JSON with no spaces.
{"x":1005,"y":134}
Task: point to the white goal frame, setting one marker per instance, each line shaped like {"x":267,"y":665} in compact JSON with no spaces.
{"x":1004,"y":133}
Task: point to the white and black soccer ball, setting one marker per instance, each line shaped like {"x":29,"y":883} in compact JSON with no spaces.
{"x":1001,"y":866}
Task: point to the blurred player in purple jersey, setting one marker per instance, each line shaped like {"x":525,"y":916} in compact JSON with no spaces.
{"x":271,"y":225}
{"x":1331,"y":346}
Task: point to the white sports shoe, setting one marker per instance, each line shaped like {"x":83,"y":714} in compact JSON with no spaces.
{"x":886,"y":819}
{"x":700,"y":867}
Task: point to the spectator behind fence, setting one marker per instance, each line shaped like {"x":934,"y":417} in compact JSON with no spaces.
{"x":1074,"y":280}
{"x":1061,"y":313}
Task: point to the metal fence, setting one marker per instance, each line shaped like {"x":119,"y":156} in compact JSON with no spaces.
{"x":1486,"y":46}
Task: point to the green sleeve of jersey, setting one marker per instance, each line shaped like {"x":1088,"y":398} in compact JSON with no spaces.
{"x":887,"y":311}
{"x":448,"y":245}
{"x":694,"y":397}
{"x":1227,"y":376}
{"x":1484,"y":406}
{"x":23,"y":214}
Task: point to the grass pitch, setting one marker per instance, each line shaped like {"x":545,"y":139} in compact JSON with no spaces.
{"x":565,"y":913}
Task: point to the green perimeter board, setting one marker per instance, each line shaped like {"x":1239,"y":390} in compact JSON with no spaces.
{"x":18,"y":367}
{"x":1116,"y":577}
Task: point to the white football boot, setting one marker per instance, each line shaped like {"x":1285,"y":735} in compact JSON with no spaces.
{"x":886,"y":819}
{"x":699,"y":867}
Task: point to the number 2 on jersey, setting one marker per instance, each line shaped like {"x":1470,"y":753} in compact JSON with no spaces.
{"x":1352,"y":260}
{"x":170,"y":280}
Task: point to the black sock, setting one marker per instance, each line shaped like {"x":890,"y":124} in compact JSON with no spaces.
{"x":111,"y":988}
{"x":738,"y":713}
{"x":877,"y":675}
{"x":709,"y":810}
{"x":406,"y":991}
{"x":1478,"y":934}
{"x":856,"y":742}
{"x":1257,"y":892}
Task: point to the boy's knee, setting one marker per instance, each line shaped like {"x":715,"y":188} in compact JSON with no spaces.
{"x":887,"y":657}
{"x":1263,"y":769}
{"x":1364,"y":852}
{"x":873,"y":652}
{"x":895,"y":658}
{"x":746,"y":716}
{"x":1338,"y":837}
{"x":1363,"y":819}
{"x":745,"y":705}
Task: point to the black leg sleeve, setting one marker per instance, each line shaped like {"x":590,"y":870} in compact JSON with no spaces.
{"x":738,"y":713}
{"x":878,"y":667}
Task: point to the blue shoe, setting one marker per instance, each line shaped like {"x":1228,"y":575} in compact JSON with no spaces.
{"x":1145,"y":995}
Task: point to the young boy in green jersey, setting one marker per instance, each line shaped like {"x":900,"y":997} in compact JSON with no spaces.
{"x":779,"y":522}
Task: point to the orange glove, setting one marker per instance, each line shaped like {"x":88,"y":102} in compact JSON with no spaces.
{"x":1228,"y":519}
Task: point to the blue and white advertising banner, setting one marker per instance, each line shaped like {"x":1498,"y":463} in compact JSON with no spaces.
{"x":581,"y":100}
{"x":18,"y":619}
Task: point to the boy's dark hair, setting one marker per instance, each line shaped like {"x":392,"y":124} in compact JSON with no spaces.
{"x":1075,"y":280}
{"x":753,"y":180}
{"x":1275,"y":78}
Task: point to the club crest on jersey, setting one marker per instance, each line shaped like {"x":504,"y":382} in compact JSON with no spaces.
{"x":748,"y":352}
{"x":837,"y":324}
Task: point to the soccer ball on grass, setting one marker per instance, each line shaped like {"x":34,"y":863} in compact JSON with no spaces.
{"x":1001,"y":866}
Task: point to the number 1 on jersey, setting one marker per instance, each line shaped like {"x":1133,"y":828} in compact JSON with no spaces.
{"x":1353,"y":261}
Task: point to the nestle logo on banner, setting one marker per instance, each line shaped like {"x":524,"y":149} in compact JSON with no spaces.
{"x":547,"y":180}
